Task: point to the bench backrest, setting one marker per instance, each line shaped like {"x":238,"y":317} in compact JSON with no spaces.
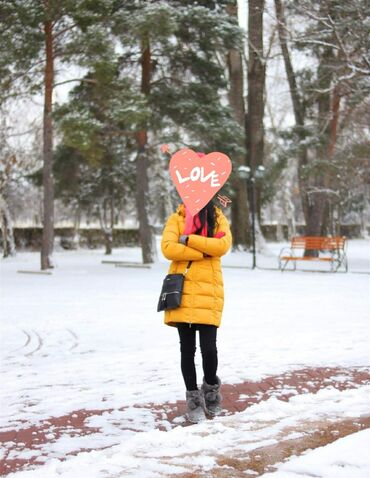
{"x":318,"y":243}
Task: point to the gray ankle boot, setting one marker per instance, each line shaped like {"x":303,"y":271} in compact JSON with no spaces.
{"x":195,"y":406}
{"x":212,"y":397}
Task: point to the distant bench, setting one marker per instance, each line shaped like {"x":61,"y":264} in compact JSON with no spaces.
{"x":325,"y":249}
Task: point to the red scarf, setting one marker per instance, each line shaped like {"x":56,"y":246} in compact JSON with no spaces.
{"x":192,"y":223}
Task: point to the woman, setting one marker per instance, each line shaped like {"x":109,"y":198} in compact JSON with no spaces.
{"x":201,"y":239}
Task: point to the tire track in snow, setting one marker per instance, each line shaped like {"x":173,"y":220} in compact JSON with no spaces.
{"x":76,"y":339}
{"x":28,"y":340}
{"x":33,"y":335}
{"x":40,"y":344}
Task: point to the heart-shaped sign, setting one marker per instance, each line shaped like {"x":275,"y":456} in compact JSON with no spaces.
{"x":197,"y":179}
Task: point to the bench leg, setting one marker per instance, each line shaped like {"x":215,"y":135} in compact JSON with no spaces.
{"x":282,"y":266}
{"x":343,"y":261}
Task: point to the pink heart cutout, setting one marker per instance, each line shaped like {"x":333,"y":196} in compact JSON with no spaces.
{"x":197,"y":179}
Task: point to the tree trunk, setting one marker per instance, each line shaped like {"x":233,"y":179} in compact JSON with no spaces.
{"x":298,"y":108}
{"x":106,"y":229}
{"x":316,"y":206}
{"x":321,"y":179}
{"x":167,"y":205}
{"x":6,"y":229}
{"x":146,"y":236}
{"x":334,"y":121}
{"x":48,"y":181}
{"x":329,"y":217}
{"x":108,"y":240}
{"x":76,"y":227}
{"x":240,"y":227}
{"x":256,"y":88}
{"x":239,"y":207}
{"x":282,"y":29}
{"x":288,"y":205}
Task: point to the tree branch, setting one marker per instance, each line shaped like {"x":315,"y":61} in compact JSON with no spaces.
{"x":85,"y":80}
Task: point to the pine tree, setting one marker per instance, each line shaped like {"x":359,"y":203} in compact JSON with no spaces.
{"x":94,"y":169}
{"x":172,"y":48}
{"x":35,"y":38}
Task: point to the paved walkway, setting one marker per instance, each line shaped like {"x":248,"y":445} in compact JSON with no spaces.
{"x":29,"y":446}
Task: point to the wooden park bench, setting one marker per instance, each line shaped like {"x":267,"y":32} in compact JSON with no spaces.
{"x":325,"y":249}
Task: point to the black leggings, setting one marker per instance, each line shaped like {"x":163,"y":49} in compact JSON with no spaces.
{"x":207,"y":336}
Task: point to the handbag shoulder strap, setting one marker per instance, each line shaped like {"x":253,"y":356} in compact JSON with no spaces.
{"x":187,"y":267}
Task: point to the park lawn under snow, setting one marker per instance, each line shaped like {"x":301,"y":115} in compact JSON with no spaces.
{"x":89,"y":337}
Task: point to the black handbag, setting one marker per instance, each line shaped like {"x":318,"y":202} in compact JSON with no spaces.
{"x":171,"y":293}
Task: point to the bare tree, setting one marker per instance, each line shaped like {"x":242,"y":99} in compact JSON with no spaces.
{"x":15,"y":165}
{"x":336,"y":85}
{"x":7,"y":164}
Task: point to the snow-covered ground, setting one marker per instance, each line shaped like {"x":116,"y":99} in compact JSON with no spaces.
{"x":158,"y":453}
{"x":348,"y":457}
{"x":89,"y":337}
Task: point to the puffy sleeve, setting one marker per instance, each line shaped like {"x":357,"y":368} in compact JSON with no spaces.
{"x":215,"y":247}
{"x":172,"y":249}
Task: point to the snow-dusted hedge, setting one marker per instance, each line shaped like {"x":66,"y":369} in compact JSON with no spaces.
{"x":69,"y":238}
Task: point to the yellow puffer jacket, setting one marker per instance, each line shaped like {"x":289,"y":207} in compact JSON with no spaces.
{"x":203,"y":295}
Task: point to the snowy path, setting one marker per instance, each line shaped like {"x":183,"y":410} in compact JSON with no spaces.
{"x":88,"y":337}
{"x":243,"y":444}
{"x":82,"y":430}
